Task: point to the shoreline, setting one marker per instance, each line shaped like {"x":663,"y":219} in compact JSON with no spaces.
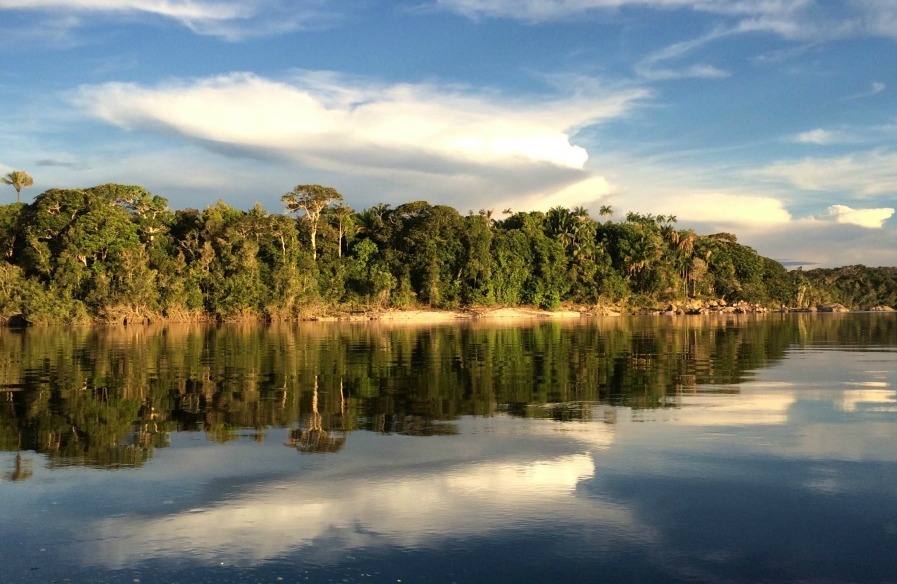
{"x":527,"y":312}
{"x":436,"y":316}
{"x":476,"y":314}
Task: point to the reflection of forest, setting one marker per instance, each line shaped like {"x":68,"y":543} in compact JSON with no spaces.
{"x":108,"y":397}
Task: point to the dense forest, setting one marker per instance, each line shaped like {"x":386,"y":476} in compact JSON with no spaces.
{"x":117,"y":253}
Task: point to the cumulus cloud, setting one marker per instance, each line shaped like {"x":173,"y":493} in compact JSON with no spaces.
{"x":869,"y":218}
{"x":230,"y":19}
{"x":408,"y":133}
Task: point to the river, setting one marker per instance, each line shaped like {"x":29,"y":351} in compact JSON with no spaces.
{"x":660,"y":449}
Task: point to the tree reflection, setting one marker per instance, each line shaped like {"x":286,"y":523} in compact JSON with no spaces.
{"x":22,"y":470}
{"x":315,"y":438}
{"x":109,"y":398}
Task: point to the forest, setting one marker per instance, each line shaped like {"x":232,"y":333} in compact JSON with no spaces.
{"x":118,"y":254}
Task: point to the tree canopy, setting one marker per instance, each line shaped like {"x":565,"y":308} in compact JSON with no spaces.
{"x":310,"y":199}
{"x":117,"y":253}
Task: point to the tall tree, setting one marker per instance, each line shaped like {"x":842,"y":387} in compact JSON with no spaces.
{"x":19,"y":179}
{"x":311,"y":199}
{"x":342,"y":213}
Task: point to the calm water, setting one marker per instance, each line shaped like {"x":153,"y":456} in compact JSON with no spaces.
{"x":610,"y":450}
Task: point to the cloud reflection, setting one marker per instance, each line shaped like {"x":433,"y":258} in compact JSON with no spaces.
{"x":410,"y":507}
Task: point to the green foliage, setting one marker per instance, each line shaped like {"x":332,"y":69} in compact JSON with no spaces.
{"x":369,"y":279}
{"x":511,"y":268}
{"x":10,"y":215}
{"x":857,"y":287}
{"x":116,"y":253}
{"x":311,"y":200}
{"x":477,"y":284}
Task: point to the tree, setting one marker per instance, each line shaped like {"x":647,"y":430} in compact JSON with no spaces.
{"x":19,"y":179}
{"x":342,"y":213}
{"x":684,"y":253}
{"x":312,"y":199}
{"x":9,"y":228}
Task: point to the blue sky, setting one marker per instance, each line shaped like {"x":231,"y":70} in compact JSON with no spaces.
{"x":772,"y":119}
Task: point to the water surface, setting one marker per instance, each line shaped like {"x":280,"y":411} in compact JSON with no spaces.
{"x":724,"y":449}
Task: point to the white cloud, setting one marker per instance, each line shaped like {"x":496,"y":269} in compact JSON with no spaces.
{"x":869,"y":218}
{"x":651,"y":67}
{"x":878,"y":16}
{"x":847,"y":135}
{"x":544,"y":10}
{"x":818,"y":136}
{"x":874,"y":89}
{"x":330,"y":116}
{"x":583,"y":192}
{"x":823,"y":242}
{"x":186,"y":10}
{"x":792,"y":19}
{"x":864,"y":174}
{"x":400,"y":134}
{"x":230,"y":19}
{"x":775,"y":220}
{"x":720,"y":208}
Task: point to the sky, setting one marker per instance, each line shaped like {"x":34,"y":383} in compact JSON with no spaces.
{"x":775,"y":120}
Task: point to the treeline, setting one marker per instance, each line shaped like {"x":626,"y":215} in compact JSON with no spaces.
{"x":117,"y":253}
{"x":852,"y":286}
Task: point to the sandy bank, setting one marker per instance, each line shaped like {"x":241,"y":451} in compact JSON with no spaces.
{"x":426,"y":316}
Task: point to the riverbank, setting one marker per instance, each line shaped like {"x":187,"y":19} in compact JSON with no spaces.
{"x":527,"y":312}
{"x":480,"y":313}
{"x":451,"y":315}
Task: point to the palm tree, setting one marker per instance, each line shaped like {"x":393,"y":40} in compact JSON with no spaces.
{"x":380,"y":209}
{"x":605,"y":211}
{"x":487,"y":213}
{"x":19,"y":179}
